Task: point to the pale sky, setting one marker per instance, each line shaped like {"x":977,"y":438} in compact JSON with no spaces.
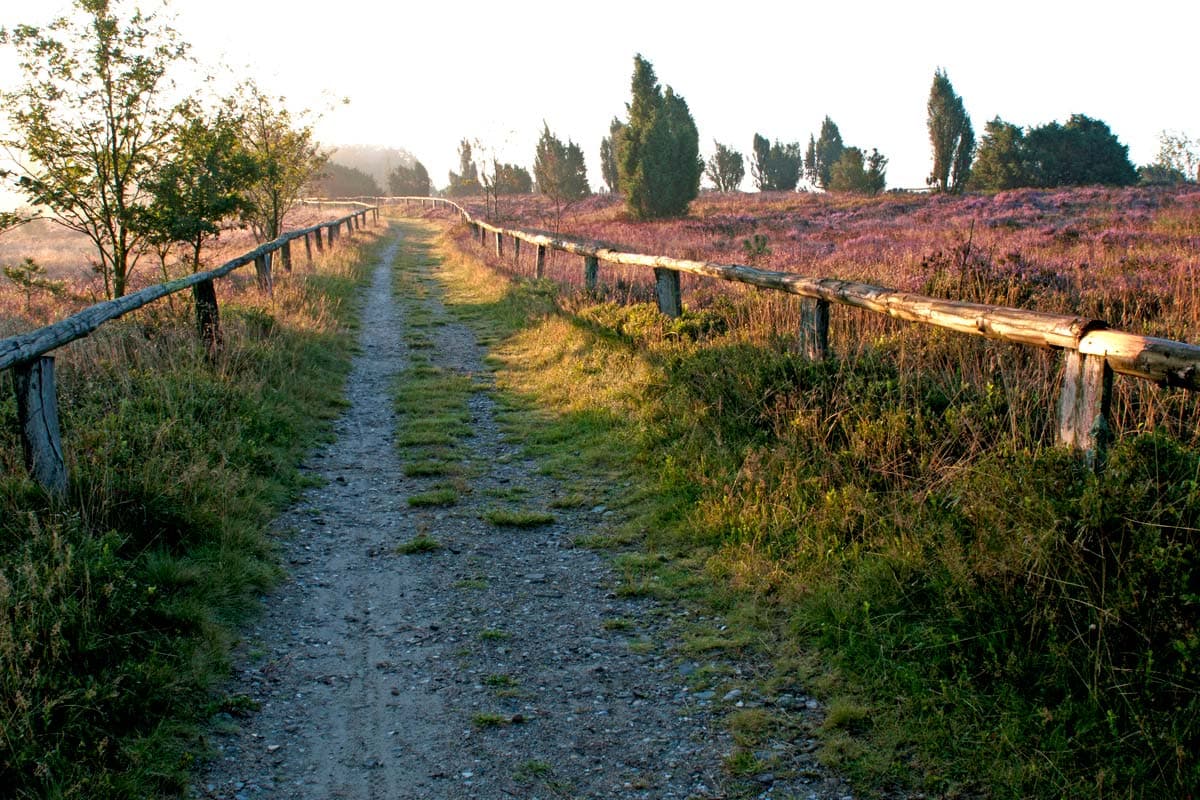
{"x":423,"y":75}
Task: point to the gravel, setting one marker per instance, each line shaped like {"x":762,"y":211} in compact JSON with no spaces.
{"x":482,"y":669}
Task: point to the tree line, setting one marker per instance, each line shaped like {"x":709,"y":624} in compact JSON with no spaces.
{"x":653,"y":157}
{"x":102,"y":145}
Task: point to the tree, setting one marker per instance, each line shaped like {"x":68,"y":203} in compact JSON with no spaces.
{"x":609,"y":158}
{"x":1178,"y":153}
{"x":1000,"y":159}
{"x":285,"y":153}
{"x":659,"y":162}
{"x":340,"y":180}
{"x":951,"y":135}
{"x":409,"y":181}
{"x":1083,"y":151}
{"x":93,"y":122}
{"x":511,"y":179}
{"x":726,"y":168}
{"x":560,"y":171}
{"x":822,"y":154}
{"x":776,"y":167}
{"x":855,"y":172}
{"x":465,"y":182}
{"x":201,"y":185}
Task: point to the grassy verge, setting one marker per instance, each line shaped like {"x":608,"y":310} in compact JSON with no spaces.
{"x":982,"y":616}
{"x":117,"y":606}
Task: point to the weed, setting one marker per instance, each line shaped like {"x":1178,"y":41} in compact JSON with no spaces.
{"x":494,"y":635}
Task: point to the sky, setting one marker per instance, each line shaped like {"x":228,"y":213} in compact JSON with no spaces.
{"x":424,"y":75}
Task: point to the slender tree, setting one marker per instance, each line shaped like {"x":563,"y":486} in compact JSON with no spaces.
{"x":465,"y":182}
{"x":659,"y":154}
{"x":822,"y":153}
{"x":285,"y":153}
{"x":725,"y":168}
{"x":951,"y":135}
{"x":609,"y":158}
{"x":92,"y":122}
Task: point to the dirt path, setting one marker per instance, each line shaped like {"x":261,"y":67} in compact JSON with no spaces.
{"x":491,"y":668}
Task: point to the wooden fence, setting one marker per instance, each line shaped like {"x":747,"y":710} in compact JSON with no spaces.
{"x":1093,"y":352}
{"x":33,"y":370}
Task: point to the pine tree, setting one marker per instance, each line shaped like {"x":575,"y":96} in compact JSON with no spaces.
{"x":822,"y":154}
{"x":951,"y":135}
{"x":560,"y":171}
{"x":609,"y":158}
{"x":726,"y":168}
{"x":659,"y":154}
{"x":776,"y":167}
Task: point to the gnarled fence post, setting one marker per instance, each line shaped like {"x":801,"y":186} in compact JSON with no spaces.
{"x":37,"y":412}
{"x":499,"y":245}
{"x":1083,"y":406}
{"x":591,"y":271}
{"x":285,"y":256}
{"x":539,"y":262}
{"x":308,"y":248}
{"x":208,"y":320}
{"x":670,"y":296}
{"x":262,"y":273}
{"x":813,"y":340}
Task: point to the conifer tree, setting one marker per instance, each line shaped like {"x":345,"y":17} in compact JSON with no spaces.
{"x":725,"y":169}
{"x":822,"y":154}
{"x":609,"y":157}
{"x":951,"y":135}
{"x":659,"y":155}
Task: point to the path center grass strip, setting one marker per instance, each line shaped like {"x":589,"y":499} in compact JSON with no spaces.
{"x":118,"y":607}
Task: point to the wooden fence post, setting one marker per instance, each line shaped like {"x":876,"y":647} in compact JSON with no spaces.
{"x":1083,"y":406}
{"x":814,"y":328}
{"x":516,"y":251}
{"x":332,"y":233}
{"x":539,"y":263}
{"x":670,"y":296}
{"x":591,"y":270}
{"x":308,"y":248}
{"x":482,"y":236}
{"x":262,"y":272}
{"x":499,"y":245}
{"x":285,"y":256}
{"x":37,"y":412}
{"x":208,"y":319}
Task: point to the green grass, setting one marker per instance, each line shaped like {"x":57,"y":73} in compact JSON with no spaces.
{"x":494,"y":635}
{"x":979,"y":613}
{"x":508,"y":518}
{"x":421,"y":543}
{"x":119,"y":604}
{"x":446,"y":496}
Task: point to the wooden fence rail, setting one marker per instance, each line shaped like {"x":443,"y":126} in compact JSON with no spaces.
{"x":33,"y":370}
{"x":1093,"y":352}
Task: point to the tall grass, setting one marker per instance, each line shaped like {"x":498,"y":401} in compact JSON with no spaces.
{"x":1018,"y":626}
{"x":117,"y":605}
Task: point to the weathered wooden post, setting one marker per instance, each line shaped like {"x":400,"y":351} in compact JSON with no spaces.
{"x":814,"y":328}
{"x":516,"y":251}
{"x":308,"y":248}
{"x":499,"y":245}
{"x":332,"y":232}
{"x":670,"y":296}
{"x":208,"y":320}
{"x":262,"y":273}
{"x":539,"y":263}
{"x":37,"y":412}
{"x":285,"y":256}
{"x":320,"y":240}
{"x":1083,"y":406}
{"x":482,"y":236}
{"x":591,"y":270}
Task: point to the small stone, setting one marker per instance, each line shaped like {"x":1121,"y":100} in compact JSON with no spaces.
{"x":731,"y":695}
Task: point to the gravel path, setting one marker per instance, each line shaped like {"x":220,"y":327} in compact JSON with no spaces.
{"x":484,"y":669}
